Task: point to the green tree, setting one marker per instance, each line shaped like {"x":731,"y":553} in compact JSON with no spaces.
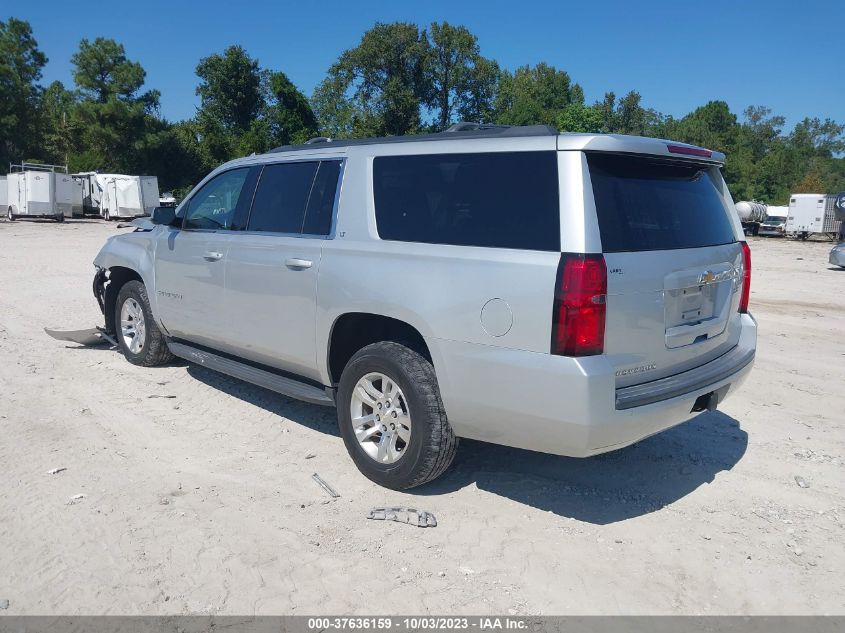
{"x":376,"y":88}
{"x":62,"y":131}
{"x":230,"y":89}
{"x":459,"y":80}
{"x":533,"y":95}
{"x":21,"y":63}
{"x":290,"y":117}
{"x":102,"y":71}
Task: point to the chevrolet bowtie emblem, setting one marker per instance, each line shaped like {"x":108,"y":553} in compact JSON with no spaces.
{"x":707,"y":277}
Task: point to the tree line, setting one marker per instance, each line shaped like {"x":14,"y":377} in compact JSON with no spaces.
{"x":400,"y":79}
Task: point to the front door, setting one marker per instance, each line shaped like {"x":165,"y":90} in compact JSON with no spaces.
{"x":191,"y":261}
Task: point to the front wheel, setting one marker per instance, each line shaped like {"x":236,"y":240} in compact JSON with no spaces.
{"x":391,"y":416}
{"x":138,"y":336}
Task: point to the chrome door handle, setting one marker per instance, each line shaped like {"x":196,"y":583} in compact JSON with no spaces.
{"x":298,"y":264}
{"x":212,"y":256}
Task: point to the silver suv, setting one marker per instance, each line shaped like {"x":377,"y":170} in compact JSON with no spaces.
{"x":564,"y":293}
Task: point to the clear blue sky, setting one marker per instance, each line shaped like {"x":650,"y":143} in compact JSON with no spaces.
{"x":787,"y":55}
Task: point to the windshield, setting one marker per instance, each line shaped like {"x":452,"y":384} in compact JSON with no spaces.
{"x":775,"y":219}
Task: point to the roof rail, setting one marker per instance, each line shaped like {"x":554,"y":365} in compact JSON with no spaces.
{"x":471,"y":126}
{"x":463,"y":130}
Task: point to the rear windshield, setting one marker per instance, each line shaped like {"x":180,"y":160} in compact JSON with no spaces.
{"x":499,"y":200}
{"x":648,"y":204}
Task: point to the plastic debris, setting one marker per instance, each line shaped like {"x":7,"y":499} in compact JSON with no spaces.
{"x":55,"y":471}
{"x":401,"y":514}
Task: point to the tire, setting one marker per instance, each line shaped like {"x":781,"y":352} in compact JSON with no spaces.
{"x":432,"y":444}
{"x":107,"y":216}
{"x":60,"y":218}
{"x":12,"y":217}
{"x":152,"y":349}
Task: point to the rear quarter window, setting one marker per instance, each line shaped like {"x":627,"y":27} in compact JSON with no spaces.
{"x":503,"y":200}
{"x":649,"y":204}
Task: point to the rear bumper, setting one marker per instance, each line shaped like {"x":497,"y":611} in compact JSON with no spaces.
{"x":570,"y":406}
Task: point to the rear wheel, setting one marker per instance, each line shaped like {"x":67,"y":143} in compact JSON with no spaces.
{"x":391,"y":416}
{"x":138,"y":336}
{"x":12,"y":217}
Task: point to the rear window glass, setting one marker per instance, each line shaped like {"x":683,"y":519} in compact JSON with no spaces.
{"x":504,"y":200}
{"x":646,"y":204}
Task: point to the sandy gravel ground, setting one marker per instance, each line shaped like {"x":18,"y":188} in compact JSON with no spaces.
{"x":198,"y":497}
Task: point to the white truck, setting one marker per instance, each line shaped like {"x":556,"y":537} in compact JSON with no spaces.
{"x":811,"y":213}
{"x":38,"y":191}
{"x":775,"y":223}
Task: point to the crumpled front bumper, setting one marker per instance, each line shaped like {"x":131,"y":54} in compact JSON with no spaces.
{"x":99,"y":288}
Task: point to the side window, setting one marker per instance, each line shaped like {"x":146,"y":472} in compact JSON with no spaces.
{"x":281,"y":196}
{"x":318,"y":217}
{"x":213,"y":206}
{"x":498,"y":200}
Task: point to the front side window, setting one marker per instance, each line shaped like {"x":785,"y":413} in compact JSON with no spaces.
{"x":281,"y":196}
{"x":501,"y":200}
{"x":213,"y":207}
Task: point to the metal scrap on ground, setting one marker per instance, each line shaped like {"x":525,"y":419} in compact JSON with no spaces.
{"x":332,"y":492}
{"x":411,"y":516}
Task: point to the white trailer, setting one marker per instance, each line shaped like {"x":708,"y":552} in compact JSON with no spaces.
{"x":32,"y":189}
{"x":811,"y":213}
{"x":149,"y":193}
{"x":64,"y":194}
{"x":91,"y":192}
{"x":121,"y":196}
{"x":4,"y":198}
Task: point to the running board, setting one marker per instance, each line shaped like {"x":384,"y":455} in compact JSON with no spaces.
{"x":243,"y":371}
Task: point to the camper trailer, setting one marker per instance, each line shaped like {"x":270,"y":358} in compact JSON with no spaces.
{"x":811,"y":213}
{"x":38,"y":191}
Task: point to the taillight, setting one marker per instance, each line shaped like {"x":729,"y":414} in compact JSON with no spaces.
{"x":746,"y":278}
{"x":580,"y":305}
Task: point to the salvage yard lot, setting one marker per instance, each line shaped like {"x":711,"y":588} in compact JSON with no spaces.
{"x":198,"y":495}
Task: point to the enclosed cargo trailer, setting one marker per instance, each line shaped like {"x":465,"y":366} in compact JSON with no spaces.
{"x":811,"y":213}
{"x":32,"y":191}
{"x":64,"y":194}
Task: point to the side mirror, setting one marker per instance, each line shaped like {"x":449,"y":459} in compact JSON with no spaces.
{"x":163,"y":215}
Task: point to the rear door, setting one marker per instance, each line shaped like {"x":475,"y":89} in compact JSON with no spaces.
{"x":673,"y":263}
{"x":271,"y":269}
